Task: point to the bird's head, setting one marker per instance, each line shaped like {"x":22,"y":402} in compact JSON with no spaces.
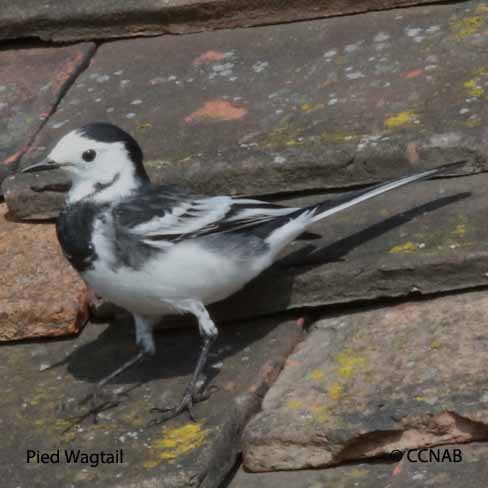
{"x":97,"y":157}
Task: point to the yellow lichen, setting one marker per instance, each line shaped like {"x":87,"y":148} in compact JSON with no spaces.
{"x":401,"y":248}
{"x":358,"y":472}
{"x":143,"y":126}
{"x":175,"y":442}
{"x":320,"y":414}
{"x":335,"y":391}
{"x":400,"y":119}
{"x":349,"y":364}
{"x":316,"y":375}
{"x":310,"y":107}
{"x":460,"y":230}
{"x":435,"y":345}
{"x":467,"y":27}
{"x":294,"y":404}
{"x":473,"y":88}
{"x":481,"y":71}
{"x":473,"y":122}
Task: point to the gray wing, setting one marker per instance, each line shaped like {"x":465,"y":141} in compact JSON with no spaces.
{"x":163,"y":217}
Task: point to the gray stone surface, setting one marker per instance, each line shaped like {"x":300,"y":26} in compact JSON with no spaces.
{"x":426,"y":238}
{"x":246,"y":359}
{"x":472,"y":471}
{"x":422,"y":239}
{"x":362,"y":385}
{"x":32,"y":80}
{"x":325,"y":104}
{"x":92,"y":19}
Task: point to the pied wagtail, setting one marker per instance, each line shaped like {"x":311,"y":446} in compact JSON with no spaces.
{"x":155,"y":250}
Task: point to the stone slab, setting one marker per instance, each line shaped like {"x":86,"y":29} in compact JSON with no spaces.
{"x":41,"y":295}
{"x":427,"y":238}
{"x":96,"y":20}
{"x":32,"y":80}
{"x":471,"y":471}
{"x":326,"y":104}
{"x":180,"y":453}
{"x":362,"y":385}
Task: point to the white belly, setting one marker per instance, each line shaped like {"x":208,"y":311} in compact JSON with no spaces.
{"x":185,"y":271}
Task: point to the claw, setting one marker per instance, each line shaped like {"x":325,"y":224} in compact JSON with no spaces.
{"x":186,"y":404}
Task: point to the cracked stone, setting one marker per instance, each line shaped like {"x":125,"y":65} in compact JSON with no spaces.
{"x":472,"y":469}
{"x":32,"y":80}
{"x":361,"y":385}
{"x":94,"y":20}
{"x":326,"y":104}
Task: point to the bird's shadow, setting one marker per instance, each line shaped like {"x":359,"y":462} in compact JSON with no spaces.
{"x":178,"y":348}
{"x":272,"y":290}
{"x":316,"y":255}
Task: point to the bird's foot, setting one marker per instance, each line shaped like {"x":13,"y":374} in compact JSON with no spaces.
{"x":98,"y":400}
{"x":186,"y":404}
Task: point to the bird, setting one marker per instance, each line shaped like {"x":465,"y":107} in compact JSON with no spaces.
{"x":154,"y":249}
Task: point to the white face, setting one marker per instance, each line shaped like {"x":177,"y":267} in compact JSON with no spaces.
{"x":90,"y":162}
{"x":102,"y":171}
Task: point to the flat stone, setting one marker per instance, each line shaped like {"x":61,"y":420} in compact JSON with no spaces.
{"x":430,"y":237}
{"x":41,"y":295}
{"x":180,"y":453}
{"x":471,"y":470}
{"x":427,"y":238}
{"x":326,"y":104}
{"x":362,"y":385}
{"x":95,"y":20}
{"x":32,"y":81}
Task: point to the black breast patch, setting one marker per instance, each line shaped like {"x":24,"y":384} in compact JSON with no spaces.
{"x":74,"y":229}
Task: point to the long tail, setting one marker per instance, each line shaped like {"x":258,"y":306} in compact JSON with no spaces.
{"x":302,"y":218}
{"x":323,"y":210}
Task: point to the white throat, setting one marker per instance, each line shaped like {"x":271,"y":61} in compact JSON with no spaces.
{"x":119,"y":186}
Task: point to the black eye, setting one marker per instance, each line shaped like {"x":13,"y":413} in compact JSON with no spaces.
{"x":89,"y":155}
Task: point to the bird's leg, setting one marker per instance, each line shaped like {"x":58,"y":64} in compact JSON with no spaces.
{"x":193,"y":393}
{"x":145,"y":341}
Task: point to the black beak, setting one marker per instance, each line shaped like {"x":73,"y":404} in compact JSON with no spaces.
{"x":44,"y":165}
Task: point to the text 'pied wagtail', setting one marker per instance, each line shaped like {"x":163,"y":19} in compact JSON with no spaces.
{"x":155,"y":250}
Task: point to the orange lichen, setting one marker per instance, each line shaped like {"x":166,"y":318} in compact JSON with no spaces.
{"x":208,"y":57}
{"x":217,"y":110}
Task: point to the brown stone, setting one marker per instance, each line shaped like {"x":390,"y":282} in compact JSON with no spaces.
{"x":41,"y":295}
{"x":95,"y":20}
{"x":364,"y":384}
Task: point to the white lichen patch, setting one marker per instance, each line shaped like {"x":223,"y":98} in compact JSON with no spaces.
{"x":413,"y":31}
{"x":368,"y":140}
{"x":355,"y":75}
{"x":350,"y":48}
{"x":260,"y":66}
{"x":381,"y":37}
